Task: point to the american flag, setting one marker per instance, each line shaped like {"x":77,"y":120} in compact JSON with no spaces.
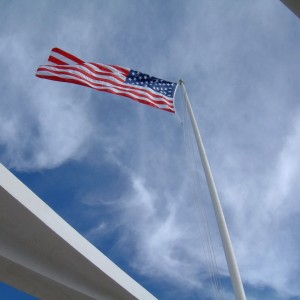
{"x":138,"y":86}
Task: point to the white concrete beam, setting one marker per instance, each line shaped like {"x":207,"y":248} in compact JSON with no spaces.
{"x":293,"y":5}
{"x":44,"y":256}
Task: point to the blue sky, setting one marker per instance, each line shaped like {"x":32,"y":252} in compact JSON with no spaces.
{"x":121,"y":173}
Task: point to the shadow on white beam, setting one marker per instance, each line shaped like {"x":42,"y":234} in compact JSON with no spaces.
{"x":44,"y":256}
{"x":293,"y":5}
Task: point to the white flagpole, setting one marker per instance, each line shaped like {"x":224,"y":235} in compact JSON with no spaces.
{"x":227,"y":245}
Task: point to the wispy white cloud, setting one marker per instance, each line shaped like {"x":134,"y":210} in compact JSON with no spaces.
{"x":273,"y":225}
{"x":43,"y":126}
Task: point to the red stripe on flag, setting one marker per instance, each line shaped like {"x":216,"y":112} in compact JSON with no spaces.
{"x":68,"y":55}
{"x":124,"y":71}
{"x":56,"y":60}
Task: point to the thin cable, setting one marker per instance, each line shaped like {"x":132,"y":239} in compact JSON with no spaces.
{"x":209,"y":249}
{"x":210,"y":261}
{"x":204,"y":236}
{"x":176,"y":111}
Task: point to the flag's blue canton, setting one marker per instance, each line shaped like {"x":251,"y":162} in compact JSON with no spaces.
{"x":161,"y":86}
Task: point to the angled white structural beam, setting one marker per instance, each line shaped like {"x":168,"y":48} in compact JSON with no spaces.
{"x":44,"y":256}
{"x":293,"y":5}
